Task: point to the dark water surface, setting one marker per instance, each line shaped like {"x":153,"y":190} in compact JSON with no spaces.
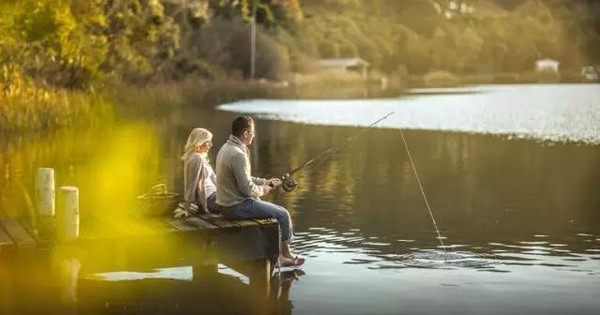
{"x":520,"y":218}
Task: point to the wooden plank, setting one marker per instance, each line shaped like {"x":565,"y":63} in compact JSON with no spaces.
{"x":139,"y":227}
{"x":201,"y":224}
{"x":272,"y":234}
{"x":160,"y":225}
{"x":265,"y":221}
{"x":249,"y":243}
{"x":219,"y":221}
{"x":42,"y":232}
{"x":210,"y":215}
{"x":180,"y":224}
{"x":105,"y":227}
{"x":5,"y":240}
{"x":246,"y":223}
{"x":18,"y":233}
{"x":156,"y":224}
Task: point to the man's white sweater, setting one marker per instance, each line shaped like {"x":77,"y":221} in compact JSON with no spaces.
{"x":234,"y":182}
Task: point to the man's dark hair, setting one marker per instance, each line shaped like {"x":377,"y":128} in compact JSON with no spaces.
{"x":240,"y":124}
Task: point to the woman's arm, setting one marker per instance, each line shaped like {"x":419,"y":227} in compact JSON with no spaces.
{"x":193,"y":171}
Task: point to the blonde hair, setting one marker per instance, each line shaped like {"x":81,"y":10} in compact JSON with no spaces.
{"x":197,"y":137}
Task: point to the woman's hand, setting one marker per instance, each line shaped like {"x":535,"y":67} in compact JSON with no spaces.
{"x":181,"y":213}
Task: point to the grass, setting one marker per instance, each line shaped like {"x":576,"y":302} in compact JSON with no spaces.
{"x":33,"y":108}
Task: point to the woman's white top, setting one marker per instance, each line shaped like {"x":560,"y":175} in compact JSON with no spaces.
{"x":210,"y":180}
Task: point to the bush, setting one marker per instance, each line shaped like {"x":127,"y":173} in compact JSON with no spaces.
{"x":547,"y":76}
{"x":225,"y":44}
{"x":503,"y":78}
{"x":440,"y":78}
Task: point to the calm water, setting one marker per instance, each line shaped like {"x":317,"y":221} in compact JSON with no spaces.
{"x":511,"y":174}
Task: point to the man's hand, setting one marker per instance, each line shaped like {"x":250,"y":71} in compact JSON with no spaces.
{"x":266,"y":189}
{"x":273,"y":182}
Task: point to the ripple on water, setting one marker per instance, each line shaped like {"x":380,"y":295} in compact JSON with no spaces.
{"x":378,"y":244}
{"x":439,"y":259}
{"x":374,"y":252}
{"x":533,"y":243}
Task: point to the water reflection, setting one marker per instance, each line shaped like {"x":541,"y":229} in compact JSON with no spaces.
{"x":541,"y":112}
{"x":520,"y":218}
{"x":36,"y":287}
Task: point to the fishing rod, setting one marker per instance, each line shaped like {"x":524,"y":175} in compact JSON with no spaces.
{"x":289,"y":184}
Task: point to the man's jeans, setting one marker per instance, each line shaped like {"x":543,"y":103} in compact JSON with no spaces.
{"x":256,"y":209}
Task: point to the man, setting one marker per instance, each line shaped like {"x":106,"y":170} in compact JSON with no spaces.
{"x":238,"y":193}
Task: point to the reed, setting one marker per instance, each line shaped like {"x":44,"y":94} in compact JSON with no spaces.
{"x":33,"y":108}
{"x":164,"y":97}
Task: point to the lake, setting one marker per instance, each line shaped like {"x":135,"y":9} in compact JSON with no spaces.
{"x":510,"y":172}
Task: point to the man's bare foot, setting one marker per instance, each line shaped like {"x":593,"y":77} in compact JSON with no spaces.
{"x":286,"y":251}
{"x":296,"y":261}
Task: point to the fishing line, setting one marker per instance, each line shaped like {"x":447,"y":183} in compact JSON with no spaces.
{"x":422,"y":191}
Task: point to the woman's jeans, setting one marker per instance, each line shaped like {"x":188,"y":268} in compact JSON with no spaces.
{"x":257,"y":209}
{"x":211,"y":203}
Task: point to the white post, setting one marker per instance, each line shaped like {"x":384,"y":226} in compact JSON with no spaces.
{"x":44,"y":191}
{"x":67,"y":215}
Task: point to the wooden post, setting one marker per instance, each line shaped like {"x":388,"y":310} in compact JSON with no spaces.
{"x":44,"y":191}
{"x":260,"y":276}
{"x":65,"y":270}
{"x":67,"y":216}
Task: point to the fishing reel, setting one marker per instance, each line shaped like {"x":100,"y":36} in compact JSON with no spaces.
{"x":289,"y":184}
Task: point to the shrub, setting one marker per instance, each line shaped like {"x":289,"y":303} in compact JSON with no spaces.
{"x":440,"y":78}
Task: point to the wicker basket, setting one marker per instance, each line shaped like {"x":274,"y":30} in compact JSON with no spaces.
{"x":158,"y":201}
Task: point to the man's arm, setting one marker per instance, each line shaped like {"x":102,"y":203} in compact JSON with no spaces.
{"x":258,"y":180}
{"x":245,"y":183}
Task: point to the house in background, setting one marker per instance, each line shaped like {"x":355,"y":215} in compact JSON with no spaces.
{"x":347,"y":64}
{"x":546,"y":70}
{"x":547,"y":65}
{"x":590,"y":73}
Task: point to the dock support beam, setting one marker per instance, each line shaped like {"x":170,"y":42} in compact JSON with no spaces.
{"x":44,"y":191}
{"x":260,"y":276}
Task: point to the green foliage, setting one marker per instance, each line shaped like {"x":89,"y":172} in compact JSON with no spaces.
{"x":50,"y":46}
{"x":467,"y":36}
{"x":142,"y":39}
{"x":50,"y":43}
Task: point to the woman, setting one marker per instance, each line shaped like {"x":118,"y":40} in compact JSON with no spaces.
{"x":199,"y":178}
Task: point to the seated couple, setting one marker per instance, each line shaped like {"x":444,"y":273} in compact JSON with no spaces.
{"x":232,"y":191}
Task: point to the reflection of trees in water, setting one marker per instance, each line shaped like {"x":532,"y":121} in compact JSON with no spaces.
{"x":480,"y":188}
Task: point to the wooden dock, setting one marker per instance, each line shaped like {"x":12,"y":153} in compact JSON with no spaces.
{"x":249,"y":246}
